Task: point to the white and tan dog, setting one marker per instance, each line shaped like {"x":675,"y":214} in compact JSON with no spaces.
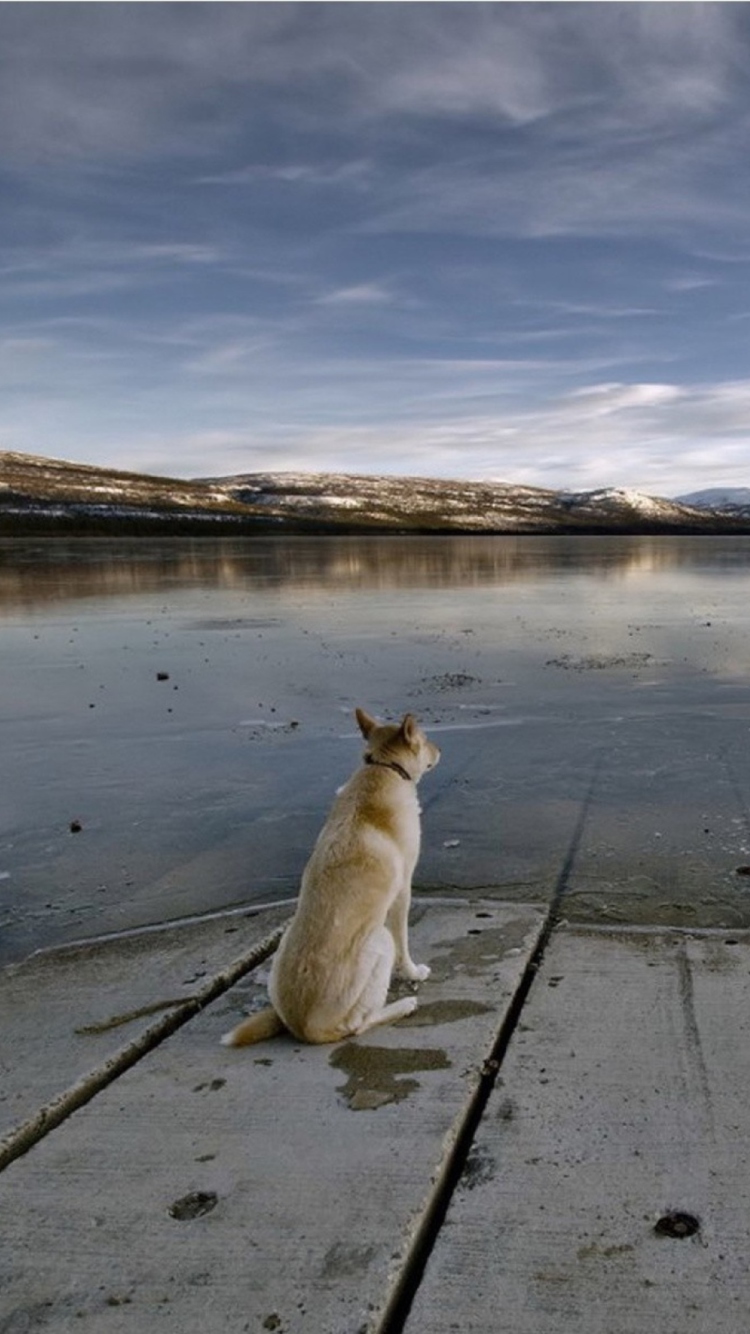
{"x":330,"y":976}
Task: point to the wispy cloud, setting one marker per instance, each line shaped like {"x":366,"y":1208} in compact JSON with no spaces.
{"x":356,"y":174}
{"x":360,"y":294}
{"x":627,"y":431}
{"x":564,"y":438}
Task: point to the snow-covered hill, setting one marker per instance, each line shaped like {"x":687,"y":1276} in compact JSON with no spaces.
{"x":36,"y":491}
{"x":435,"y":505}
{"x":39,"y":493}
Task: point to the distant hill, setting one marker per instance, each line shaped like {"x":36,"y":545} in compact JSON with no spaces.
{"x":730,"y":500}
{"x":39,"y":494}
{"x":46,"y":495}
{"x":434,"y":505}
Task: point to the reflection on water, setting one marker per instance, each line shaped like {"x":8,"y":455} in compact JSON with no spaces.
{"x":34,"y":573}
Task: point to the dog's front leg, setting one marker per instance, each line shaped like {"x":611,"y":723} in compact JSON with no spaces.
{"x":398,"y":925}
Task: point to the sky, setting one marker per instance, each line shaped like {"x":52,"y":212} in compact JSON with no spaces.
{"x":484,"y":241}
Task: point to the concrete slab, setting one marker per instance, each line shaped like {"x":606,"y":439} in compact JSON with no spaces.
{"x":620,"y":1115}
{"x":270,"y":1188}
{"x":73,"y":1017}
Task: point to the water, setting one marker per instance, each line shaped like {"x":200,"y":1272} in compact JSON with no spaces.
{"x":176,"y":715}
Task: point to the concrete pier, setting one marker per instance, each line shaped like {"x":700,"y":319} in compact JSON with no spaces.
{"x":558,"y":1139}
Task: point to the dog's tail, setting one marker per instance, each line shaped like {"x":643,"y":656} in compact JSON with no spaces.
{"x":265,"y":1024}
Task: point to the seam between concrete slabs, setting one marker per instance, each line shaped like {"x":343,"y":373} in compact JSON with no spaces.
{"x":398,"y":1303}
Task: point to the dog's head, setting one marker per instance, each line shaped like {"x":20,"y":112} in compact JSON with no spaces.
{"x":404,"y":744}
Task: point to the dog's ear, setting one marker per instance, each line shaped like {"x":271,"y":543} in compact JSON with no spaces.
{"x":366,"y":723}
{"x":409,"y":728}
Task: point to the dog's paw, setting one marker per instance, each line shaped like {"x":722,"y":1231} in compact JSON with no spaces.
{"x":417,"y":972}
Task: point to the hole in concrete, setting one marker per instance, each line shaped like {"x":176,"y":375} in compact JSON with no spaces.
{"x":742,"y":870}
{"x":194,"y":1205}
{"x":677,"y":1225}
{"x":212,"y":1085}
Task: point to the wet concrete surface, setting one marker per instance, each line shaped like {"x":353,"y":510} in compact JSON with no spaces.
{"x":175,"y":728}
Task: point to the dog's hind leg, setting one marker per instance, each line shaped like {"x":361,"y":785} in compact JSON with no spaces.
{"x":388,"y":1014}
{"x":371,"y":1007}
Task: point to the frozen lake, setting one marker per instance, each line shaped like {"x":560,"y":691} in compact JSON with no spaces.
{"x":177,"y":714}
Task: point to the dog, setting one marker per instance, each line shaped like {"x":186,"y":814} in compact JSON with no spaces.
{"x":331,"y":973}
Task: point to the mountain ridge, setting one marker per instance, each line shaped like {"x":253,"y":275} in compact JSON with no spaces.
{"x":42,"y":494}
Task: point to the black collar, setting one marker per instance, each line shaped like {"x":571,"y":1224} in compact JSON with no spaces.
{"x":390,"y":764}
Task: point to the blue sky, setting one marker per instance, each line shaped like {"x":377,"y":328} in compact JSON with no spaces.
{"x":505,"y":241}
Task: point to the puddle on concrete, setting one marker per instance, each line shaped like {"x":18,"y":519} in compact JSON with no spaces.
{"x":711,"y":954}
{"x":376,"y":1074}
{"x":343,"y":1260}
{"x":484,"y":945}
{"x":444,"y":1012}
{"x":616,"y":906}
